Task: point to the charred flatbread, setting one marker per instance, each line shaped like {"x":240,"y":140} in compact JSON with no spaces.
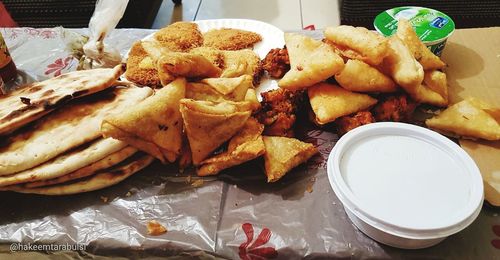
{"x":32,"y":102}
{"x":98,"y":181}
{"x":88,"y":170}
{"x":66,"y":128}
{"x":66,"y":163}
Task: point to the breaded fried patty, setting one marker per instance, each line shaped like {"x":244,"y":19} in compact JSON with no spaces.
{"x":230,"y":39}
{"x":140,"y":68}
{"x":180,"y":36}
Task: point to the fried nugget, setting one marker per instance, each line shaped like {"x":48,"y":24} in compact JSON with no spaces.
{"x":276,"y":63}
{"x":140,"y":67}
{"x":180,"y":36}
{"x":347,"y":123}
{"x":230,"y":39}
{"x":398,"y":108}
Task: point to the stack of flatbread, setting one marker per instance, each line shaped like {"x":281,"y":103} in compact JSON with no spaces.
{"x":51,"y":141}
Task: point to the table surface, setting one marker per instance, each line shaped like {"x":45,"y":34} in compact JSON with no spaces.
{"x":295,"y":217}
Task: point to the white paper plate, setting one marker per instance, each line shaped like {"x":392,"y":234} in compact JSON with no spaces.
{"x":272,"y":37}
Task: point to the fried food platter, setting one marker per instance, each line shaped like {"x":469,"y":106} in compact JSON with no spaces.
{"x":272,"y":37}
{"x":198,"y":103}
{"x":101,"y":188}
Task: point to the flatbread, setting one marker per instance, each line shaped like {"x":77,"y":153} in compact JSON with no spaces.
{"x":88,"y":170}
{"x":66,"y":163}
{"x":208,"y":125}
{"x":154,"y":125}
{"x":64,"y":129}
{"x":30,"y":103}
{"x":283,"y":154}
{"x":98,"y":181}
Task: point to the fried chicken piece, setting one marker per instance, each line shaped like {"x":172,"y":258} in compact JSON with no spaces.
{"x":398,"y":108}
{"x":276,"y":63}
{"x":140,"y":67}
{"x":278,"y":111}
{"x":347,"y":123}
{"x":230,"y":39}
{"x":180,"y":36}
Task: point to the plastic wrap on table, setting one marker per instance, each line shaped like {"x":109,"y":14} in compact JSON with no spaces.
{"x":235,"y":215}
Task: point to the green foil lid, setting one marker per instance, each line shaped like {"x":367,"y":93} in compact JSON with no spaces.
{"x":430,"y":25}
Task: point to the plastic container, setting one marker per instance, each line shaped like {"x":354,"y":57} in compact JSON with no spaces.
{"x":432,"y":27}
{"x":403,"y":185}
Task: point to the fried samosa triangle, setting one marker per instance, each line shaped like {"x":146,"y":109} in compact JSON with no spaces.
{"x":330,"y":102}
{"x":209,"y":124}
{"x":178,"y":64}
{"x":220,"y":89}
{"x":402,"y":66}
{"x":311,"y":61}
{"x":358,"y":43}
{"x":244,"y":146}
{"x":422,"y":54}
{"x":283,"y":154}
{"x":154,"y":125}
{"x":361,"y":77}
{"x":470,"y":118}
{"x":433,"y":91}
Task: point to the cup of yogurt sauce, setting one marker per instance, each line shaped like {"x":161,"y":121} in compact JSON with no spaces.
{"x":432,"y":27}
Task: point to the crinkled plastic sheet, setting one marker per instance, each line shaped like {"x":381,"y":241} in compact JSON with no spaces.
{"x":291,"y":219}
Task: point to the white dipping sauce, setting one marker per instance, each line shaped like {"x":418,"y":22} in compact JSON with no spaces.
{"x":401,"y":180}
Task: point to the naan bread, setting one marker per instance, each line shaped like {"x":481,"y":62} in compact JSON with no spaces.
{"x":311,"y":61}
{"x":67,"y":128}
{"x":208,"y":125}
{"x":283,"y":154}
{"x":30,"y":103}
{"x":330,"y":102}
{"x":66,"y":163}
{"x":95,"y":182}
{"x":154,"y":125}
{"x":88,"y":170}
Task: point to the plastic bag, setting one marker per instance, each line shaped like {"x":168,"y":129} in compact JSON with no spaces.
{"x":98,"y":54}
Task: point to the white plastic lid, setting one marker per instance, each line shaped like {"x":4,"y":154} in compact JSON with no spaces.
{"x":406,"y":180}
